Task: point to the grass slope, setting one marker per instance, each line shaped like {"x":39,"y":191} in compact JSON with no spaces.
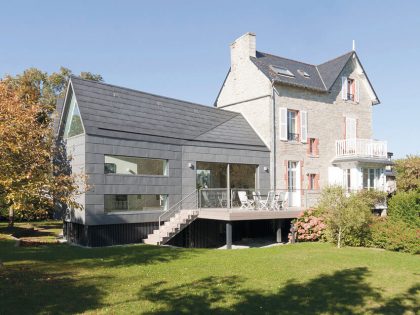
{"x":291,"y":279}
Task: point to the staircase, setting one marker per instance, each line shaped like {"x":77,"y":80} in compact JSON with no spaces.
{"x":174,"y":220}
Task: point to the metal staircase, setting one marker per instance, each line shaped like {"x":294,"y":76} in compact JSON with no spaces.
{"x":174,"y":220}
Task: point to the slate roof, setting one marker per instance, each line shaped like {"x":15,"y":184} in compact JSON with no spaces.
{"x":322,"y":76}
{"x":113,"y":111}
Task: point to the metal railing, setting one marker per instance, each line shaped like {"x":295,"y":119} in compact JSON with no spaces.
{"x":361,"y":147}
{"x":256,"y":199}
{"x":292,"y":136}
{"x":190,"y":201}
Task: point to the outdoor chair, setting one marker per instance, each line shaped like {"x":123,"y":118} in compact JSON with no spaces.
{"x":268,"y":203}
{"x":280,"y":201}
{"x":257,"y":199}
{"x":222,"y":197}
{"x":245,"y":202}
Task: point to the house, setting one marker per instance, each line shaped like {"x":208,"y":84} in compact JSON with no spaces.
{"x":166,"y":171}
{"x":315,"y":119}
{"x":145,"y":154}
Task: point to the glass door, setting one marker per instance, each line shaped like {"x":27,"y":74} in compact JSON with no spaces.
{"x":293,"y":183}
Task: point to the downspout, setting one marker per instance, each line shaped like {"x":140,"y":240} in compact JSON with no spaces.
{"x":274,"y":137}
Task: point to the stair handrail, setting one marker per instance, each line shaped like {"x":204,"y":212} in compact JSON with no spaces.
{"x":174,"y":209}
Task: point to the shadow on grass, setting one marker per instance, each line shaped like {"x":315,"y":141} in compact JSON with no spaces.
{"x":115,"y":256}
{"x":344,"y":292}
{"x":27,"y":291}
{"x":20,"y":231}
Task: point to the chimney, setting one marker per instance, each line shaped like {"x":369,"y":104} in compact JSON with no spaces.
{"x":242,"y":48}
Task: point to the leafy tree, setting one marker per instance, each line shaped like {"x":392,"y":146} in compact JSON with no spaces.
{"x":408,"y":173}
{"x":34,"y":173}
{"x":347,"y":217}
{"x":27,"y":181}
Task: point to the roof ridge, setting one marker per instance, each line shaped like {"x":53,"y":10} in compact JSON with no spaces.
{"x":294,"y":60}
{"x":336,"y":58}
{"x":147,"y":93}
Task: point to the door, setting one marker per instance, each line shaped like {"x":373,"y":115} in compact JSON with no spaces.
{"x":293,"y":183}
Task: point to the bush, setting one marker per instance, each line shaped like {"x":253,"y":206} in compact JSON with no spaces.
{"x":347,"y":218}
{"x":395,"y":235}
{"x":405,"y":206}
{"x":309,"y":227}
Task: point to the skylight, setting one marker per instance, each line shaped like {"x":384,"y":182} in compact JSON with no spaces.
{"x":304,"y":73}
{"x":282,"y":71}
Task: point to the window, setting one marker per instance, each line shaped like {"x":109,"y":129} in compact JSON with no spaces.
{"x":74,"y":125}
{"x":293,"y":125}
{"x":371,"y":178}
{"x":292,"y":175}
{"x":115,"y":203}
{"x":292,"y":131}
{"x":313,"y":181}
{"x":282,"y":71}
{"x":313,"y":149}
{"x":347,"y":179}
{"x":134,"y":165}
{"x":350,"y":89}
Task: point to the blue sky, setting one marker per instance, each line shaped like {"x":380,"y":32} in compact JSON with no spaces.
{"x":181,"y":48}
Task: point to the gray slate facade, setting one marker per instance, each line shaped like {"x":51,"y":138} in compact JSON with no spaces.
{"x":124,"y":122}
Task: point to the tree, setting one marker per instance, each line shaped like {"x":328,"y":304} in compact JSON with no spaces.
{"x":408,"y":173}
{"x":347,"y":217}
{"x":34,"y":168}
{"x":26,"y":172}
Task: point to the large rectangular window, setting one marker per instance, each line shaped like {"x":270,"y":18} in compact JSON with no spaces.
{"x":114,"y":203}
{"x":134,"y":165}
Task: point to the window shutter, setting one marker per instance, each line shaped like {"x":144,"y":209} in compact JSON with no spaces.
{"x":350,"y":128}
{"x":316,"y":182}
{"x":283,"y":124}
{"x":316,"y":145}
{"x":357,"y":92}
{"x":344,"y":88}
{"x":303,"y":126}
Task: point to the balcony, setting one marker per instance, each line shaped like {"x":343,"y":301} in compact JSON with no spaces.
{"x":363,"y":148}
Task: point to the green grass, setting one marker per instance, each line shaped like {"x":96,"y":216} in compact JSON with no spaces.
{"x":43,"y":231}
{"x":292,"y":279}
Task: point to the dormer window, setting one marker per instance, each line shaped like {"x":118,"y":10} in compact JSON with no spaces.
{"x":282,"y":71}
{"x":304,"y":73}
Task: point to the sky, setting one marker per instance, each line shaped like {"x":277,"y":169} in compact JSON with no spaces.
{"x":180,"y":49}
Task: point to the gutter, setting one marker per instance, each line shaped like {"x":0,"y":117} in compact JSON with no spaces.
{"x":274,"y":148}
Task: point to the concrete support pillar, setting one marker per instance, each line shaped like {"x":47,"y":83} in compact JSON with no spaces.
{"x":228,"y":235}
{"x":279,"y":225}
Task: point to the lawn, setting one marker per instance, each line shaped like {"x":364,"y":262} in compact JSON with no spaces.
{"x":291,"y":279}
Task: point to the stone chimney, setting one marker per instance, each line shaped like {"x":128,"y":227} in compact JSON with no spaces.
{"x":241,"y":49}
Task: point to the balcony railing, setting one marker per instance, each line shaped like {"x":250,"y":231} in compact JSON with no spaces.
{"x":361,"y":147}
{"x":292,"y":136}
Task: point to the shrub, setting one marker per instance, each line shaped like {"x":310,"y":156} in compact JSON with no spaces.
{"x":405,"y":206}
{"x":347,"y":218}
{"x":395,"y":235}
{"x":408,"y":173}
{"x":309,"y":227}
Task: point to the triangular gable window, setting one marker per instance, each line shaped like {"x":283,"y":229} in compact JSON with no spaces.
{"x":74,"y":125}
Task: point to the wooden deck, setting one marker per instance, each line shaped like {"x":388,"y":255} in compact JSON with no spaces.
{"x":236,"y":214}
